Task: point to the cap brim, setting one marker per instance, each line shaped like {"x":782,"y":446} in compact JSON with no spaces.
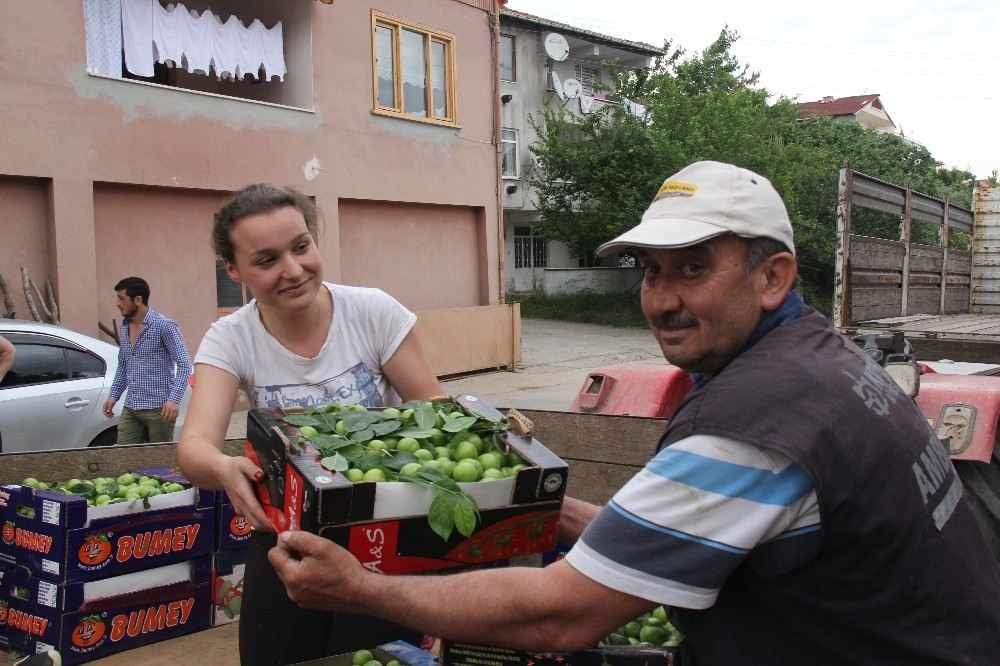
{"x":663,"y":233}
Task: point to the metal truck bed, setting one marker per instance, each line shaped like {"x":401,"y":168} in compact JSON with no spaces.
{"x":968,"y":337}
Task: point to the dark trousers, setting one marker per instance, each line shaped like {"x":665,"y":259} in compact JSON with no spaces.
{"x":274,"y":631}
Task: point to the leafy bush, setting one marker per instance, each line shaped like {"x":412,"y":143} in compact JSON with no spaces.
{"x":618,"y":309}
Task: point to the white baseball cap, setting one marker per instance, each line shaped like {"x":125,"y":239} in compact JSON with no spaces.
{"x":704,"y":200}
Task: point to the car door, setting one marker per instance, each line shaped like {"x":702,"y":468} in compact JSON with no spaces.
{"x":50,"y":395}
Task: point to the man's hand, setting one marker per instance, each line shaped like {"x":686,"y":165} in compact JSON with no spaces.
{"x":169,"y":411}
{"x":109,"y":408}
{"x":318,"y":573}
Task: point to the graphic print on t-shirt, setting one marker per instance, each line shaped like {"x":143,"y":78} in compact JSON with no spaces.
{"x":356,"y":385}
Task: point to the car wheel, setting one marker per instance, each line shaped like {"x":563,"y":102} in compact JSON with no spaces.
{"x":106,"y":438}
{"x":982,"y":488}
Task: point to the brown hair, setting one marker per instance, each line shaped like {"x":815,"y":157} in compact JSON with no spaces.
{"x":257,"y":199}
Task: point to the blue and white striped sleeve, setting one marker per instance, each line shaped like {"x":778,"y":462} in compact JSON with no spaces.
{"x":677,"y":530}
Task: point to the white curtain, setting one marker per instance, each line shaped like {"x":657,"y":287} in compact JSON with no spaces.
{"x":102,"y":21}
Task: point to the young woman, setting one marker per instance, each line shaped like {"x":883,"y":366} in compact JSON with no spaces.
{"x":301,"y":341}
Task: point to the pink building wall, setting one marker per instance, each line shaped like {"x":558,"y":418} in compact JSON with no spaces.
{"x":110,"y":177}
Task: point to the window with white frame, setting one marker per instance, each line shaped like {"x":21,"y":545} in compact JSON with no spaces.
{"x":587,"y":76}
{"x":413,"y":70}
{"x":508,"y":66}
{"x":508,"y":138}
{"x":530,"y":251}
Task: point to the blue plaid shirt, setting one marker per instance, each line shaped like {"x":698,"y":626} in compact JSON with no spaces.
{"x":148,"y":368}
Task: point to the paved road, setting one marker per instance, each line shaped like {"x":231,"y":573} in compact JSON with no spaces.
{"x":556,"y":357}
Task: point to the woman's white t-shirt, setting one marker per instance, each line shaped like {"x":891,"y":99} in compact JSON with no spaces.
{"x":368,"y":326}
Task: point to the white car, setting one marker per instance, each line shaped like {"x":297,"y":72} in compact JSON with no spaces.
{"x":53,"y":396}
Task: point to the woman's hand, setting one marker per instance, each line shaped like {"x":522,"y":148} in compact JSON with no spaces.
{"x":236,"y":475}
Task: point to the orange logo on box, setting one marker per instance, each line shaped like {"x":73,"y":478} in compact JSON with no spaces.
{"x":40,"y":543}
{"x":239,"y":526}
{"x":8,"y":532}
{"x":151,"y":619}
{"x":157,"y":542}
{"x":33,"y":624}
{"x":95,"y":550}
{"x":89,"y":632}
{"x":3,"y":613}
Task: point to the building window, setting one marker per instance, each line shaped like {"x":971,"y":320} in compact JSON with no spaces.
{"x":529,"y":250}
{"x":508,"y":71}
{"x":587,"y":76}
{"x":414,"y":70}
{"x":229,"y":295}
{"x":509,"y":139}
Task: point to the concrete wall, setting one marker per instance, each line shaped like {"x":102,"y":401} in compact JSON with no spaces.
{"x":598,"y":280}
{"x":432,"y":259}
{"x":24,"y":237}
{"x":112,"y":177}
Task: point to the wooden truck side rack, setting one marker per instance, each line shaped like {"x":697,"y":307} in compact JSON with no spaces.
{"x":945,"y":300}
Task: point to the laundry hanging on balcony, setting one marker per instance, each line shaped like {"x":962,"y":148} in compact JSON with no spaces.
{"x":199,"y":43}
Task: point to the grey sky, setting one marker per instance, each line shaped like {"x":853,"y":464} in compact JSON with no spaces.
{"x":936,"y":65}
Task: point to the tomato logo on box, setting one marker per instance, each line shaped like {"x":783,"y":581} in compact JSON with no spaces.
{"x":95,"y":550}
{"x":89,"y":632}
{"x":239,"y":526}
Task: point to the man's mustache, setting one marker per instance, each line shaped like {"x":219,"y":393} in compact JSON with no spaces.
{"x":673,"y":320}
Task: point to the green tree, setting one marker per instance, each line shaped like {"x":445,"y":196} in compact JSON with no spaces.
{"x":598,"y":172}
{"x":830,"y":144}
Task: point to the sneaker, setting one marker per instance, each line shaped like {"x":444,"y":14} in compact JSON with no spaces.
{"x":50,"y":658}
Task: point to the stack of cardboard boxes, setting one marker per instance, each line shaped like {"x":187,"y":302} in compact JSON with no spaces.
{"x":93,"y":581}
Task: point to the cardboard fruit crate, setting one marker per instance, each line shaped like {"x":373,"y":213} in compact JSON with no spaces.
{"x":88,"y":620}
{"x":465,"y":654}
{"x":406,"y":653}
{"x":60,"y":538}
{"x":228,"y":567}
{"x":385,"y":524}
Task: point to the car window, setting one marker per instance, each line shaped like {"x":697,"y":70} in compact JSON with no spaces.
{"x":36,"y":364}
{"x":83,"y":365}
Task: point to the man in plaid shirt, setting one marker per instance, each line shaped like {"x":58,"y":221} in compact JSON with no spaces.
{"x":153,"y":364}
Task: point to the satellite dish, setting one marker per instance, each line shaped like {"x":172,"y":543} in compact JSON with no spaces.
{"x":556,"y":46}
{"x":558,"y":86}
{"x":572,"y":88}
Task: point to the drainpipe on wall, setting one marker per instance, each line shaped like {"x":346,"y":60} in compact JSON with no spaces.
{"x":498,"y":161}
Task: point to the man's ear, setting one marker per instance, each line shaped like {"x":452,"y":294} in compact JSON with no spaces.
{"x":231,"y":271}
{"x":778,"y":272}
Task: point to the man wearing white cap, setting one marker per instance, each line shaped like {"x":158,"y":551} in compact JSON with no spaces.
{"x":799,"y":509}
